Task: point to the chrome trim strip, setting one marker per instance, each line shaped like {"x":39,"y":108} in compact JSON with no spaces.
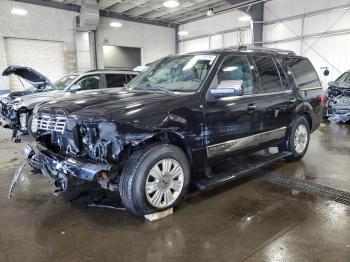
{"x":256,"y":95}
{"x":236,"y":144}
{"x":311,"y":88}
{"x":274,"y":134}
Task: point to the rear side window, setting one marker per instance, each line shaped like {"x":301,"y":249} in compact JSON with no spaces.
{"x":303,"y":72}
{"x":284,"y":77}
{"x":268,"y":73}
{"x":116,"y":80}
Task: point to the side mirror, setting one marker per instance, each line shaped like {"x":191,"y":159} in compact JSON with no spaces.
{"x":74,"y":88}
{"x":330,"y":83}
{"x":228,"y":88}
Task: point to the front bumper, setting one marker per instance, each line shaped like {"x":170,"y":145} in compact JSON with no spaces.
{"x":48,"y":161}
{"x":340,"y":113}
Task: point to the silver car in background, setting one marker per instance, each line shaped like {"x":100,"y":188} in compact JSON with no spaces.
{"x":16,"y":108}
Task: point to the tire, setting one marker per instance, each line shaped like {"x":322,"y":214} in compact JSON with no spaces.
{"x":298,"y":139}
{"x":142,"y":168}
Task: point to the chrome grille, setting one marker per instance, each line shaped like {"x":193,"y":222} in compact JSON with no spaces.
{"x":51,"y":123}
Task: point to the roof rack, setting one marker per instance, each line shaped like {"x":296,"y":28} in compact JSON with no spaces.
{"x":266,"y":49}
{"x":249,"y":48}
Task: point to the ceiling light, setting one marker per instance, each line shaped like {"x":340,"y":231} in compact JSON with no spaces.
{"x":183,"y":33}
{"x":171,"y":3}
{"x":17,"y":11}
{"x":115,"y":24}
{"x":210,"y":12}
{"x":245,"y":18}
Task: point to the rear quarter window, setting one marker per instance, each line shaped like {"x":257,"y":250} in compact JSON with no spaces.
{"x":305,"y":76}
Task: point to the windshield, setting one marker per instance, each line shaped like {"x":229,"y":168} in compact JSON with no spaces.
{"x":64,"y":81}
{"x":177,"y":73}
{"x":343,"y":80}
{"x":38,"y":88}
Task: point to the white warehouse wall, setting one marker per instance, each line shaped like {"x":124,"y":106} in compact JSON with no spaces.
{"x":154,"y":41}
{"x":320,"y":35}
{"x":51,"y":24}
{"x":41,"y":23}
{"x":214,"y":32}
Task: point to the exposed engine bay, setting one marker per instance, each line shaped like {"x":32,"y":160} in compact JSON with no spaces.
{"x":339,"y":104}
{"x":71,"y":151}
{"x":14,"y":116}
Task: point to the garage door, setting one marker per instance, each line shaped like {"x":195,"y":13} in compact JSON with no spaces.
{"x":46,"y":57}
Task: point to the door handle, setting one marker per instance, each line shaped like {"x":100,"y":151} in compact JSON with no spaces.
{"x":293,"y":100}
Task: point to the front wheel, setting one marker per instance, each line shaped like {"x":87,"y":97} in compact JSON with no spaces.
{"x":298,"y":139}
{"x":154,"y":179}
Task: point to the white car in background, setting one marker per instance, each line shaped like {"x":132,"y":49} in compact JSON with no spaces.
{"x":16,"y":108}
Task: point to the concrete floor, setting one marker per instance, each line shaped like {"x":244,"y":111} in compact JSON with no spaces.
{"x":247,"y":220}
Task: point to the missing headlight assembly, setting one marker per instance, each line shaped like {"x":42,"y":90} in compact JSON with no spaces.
{"x":70,"y":149}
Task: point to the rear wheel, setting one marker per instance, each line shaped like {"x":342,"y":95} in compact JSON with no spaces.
{"x":155,"y":178}
{"x":298,"y":139}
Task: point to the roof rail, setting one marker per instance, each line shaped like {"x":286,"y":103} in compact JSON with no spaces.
{"x":266,"y":49}
{"x":108,"y":69}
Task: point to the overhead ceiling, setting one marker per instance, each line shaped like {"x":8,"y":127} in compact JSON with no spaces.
{"x":188,"y":10}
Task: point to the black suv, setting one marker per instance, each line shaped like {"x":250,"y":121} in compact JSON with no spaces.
{"x":175,"y":121}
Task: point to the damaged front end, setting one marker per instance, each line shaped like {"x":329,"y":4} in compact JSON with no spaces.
{"x":14,"y":115}
{"x":339,"y":106}
{"x":73,"y":150}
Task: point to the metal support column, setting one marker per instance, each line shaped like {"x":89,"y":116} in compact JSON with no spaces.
{"x":256,"y":11}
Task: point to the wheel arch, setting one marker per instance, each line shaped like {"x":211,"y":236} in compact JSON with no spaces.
{"x":174,"y":138}
{"x":303,"y":109}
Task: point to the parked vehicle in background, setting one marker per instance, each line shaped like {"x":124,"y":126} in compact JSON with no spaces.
{"x":176,"y":121}
{"x":38,"y":82}
{"x":16,"y":111}
{"x":337,"y":108}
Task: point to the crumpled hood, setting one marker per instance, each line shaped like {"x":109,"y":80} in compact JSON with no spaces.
{"x":114,"y":105}
{"x":28,"y":74}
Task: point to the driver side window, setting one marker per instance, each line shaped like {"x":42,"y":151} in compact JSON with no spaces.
{"x":90,"y":82}
{"x":236,"y":69}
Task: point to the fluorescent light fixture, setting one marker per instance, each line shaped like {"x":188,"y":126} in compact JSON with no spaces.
{"x":280,"y":25}
{"x":210,"y":12}
{"x":17,"y":11}
{"x":171,"y":3}
{"x":183,"y":33}
{"x":230,"y":68}
{"x":245,"y":18}
{"x":116,"y":24}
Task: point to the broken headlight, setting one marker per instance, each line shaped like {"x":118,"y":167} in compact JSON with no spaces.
{"x":107,"y":145}
{"x":17,"y":104}
{"x":34,"y":126}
